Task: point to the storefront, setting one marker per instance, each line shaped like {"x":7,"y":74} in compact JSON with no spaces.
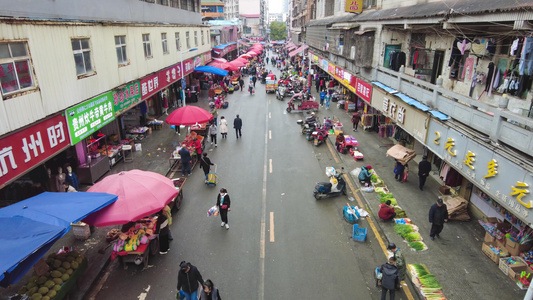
{"x":496,"y":186}
{"x":25,"y":151}
{"x":227,"y":51}
{"x":404,"y":119}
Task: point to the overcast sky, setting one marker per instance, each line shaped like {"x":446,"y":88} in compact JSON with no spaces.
{"x":275,"y":6}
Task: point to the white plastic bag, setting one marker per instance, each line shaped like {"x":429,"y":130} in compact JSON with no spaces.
{"x":330,"y":171}
{"x":212,"y":211}
{"x":355,"y":172}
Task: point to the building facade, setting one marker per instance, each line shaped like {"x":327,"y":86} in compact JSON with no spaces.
{"x":55,"y":68}
{"x":213,"y":9}
{"x":231,"y":9}
{"x":450,"y":76}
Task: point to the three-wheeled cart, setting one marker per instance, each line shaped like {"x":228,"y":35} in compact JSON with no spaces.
{"x":298,"y":103}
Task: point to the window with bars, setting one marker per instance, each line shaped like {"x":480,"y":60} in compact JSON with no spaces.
{"x":15,"y":67}
{"x":82,"y":56}
{"x":164,"y":43}
{"x":195,"y":38}
{"x":147,"y":46}
{"x":203,"y":38}
{"x":188,"y":40}
{"x":184,"y":4}
{"x":120,"y":45}
{"x":178,"y":45}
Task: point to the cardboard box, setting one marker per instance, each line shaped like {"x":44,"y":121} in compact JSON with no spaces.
{"x":516,"y":270}
{"x":514,"y":248}
{"x":445,"y":190}
{"x":486,"y":248}
{"x":489,"y":238}
{"x":504,"y":266}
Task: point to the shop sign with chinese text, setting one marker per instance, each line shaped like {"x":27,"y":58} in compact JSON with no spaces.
{"x":127,"y":97}
{"x":26,"y":149}
{"x":89,"y":116}
{"x":411,"y":119}
{"x":354,"y":6}
{"x":155,"y":82}
{"x":503,"y":180}
{"x":363,"y":90}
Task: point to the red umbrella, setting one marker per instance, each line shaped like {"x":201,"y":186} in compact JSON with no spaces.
{"x":238,"y":63}
{"x":223,"y":60}
{"x":215,"y":64}
{"x":140,"y":193}
{"x":241,"y":59}
{"x":188,"y":115}
{"x":252,"y":53}
{"x":229,"y":67}
{"x":246,"y":56}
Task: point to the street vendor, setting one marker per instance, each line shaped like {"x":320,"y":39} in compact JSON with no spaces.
{"x":339,"y":142}
{"x":365,"y":174}
{"x":197,"y":144}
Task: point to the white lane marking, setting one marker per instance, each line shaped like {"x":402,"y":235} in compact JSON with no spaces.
{"x":270,"y":134}
{"x":269,"y":115}
{"x":143,"y":295}
{"x":261,"y":289}
{"x":272,"y":227}
{"x":270,"y":166}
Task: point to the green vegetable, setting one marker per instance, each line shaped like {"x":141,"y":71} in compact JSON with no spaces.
{"x":374,"y":178}
{"x":418,"y":246}
{"x":420,"y":270}
{"x":429,"y":281}
{"x":403,"y":229}
{"x":392,"y":201}
{"x":400,"y":213}
{"x":413,"y":236}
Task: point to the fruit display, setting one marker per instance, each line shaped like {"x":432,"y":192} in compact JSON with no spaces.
{"x":141,"y":233}
{"x":61,"y":267}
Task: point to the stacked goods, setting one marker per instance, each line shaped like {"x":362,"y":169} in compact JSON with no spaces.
{"x":457,"y":208}
{"x":61,"y":266}
{"x":141,"y":233}
{"x":426,"y":282}
{"x":401,"y":154}
{"x":492,"y":229}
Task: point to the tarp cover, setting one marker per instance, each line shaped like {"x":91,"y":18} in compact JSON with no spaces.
{"x":59,"y":209}
{"x":22,"y":244}
{"x":32,"y":226}
{"x":302,"y":48}
{"x":400,"y":153}
{"x":212,"y":70}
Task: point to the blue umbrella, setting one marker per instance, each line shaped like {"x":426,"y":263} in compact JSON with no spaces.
{"x":212,"y":70}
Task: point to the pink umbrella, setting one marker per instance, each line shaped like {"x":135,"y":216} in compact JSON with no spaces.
{"x":229,"y":67}
{"x":238,"y":63}
{"x":140,"y":193}
{"x":252,"y":53}
{"x":215,"y":64}
{"x":188,"y":115}
{"x":246,"y":56}
{"x":220,"y":59}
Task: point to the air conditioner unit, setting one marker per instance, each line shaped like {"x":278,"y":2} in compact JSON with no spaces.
{"x":352,"y":53}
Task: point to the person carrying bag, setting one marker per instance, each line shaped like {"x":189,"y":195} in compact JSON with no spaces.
{"x":223,"y":204}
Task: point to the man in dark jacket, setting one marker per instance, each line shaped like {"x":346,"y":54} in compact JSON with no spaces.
{"x":389,"y":281}
{"x":424,"y":167}
{"x":188,"y":279}
{"x":237,"y":124}
{"x":438,"y":215}
{"x":186,"y":161}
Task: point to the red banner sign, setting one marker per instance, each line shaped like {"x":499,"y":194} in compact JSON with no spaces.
{"x":155,"y":82}
{"x":24,"y":150}
{"x":339,"y":73}
{"x":363,"y":90}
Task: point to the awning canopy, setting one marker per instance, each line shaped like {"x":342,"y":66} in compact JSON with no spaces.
{"x":32,"y":226}
{"x":224,"y":49}
{"x":301,"y":49}
{"x":212,"y":70}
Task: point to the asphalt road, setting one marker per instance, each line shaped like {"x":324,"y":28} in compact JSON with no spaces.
{"x":282,"y":243}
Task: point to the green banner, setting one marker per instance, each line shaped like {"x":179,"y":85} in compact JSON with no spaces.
{"x":127,"y":97}
{"x":89,"y":116}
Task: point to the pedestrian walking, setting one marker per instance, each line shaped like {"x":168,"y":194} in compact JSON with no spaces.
{"x":398,"y":171}
{"x":213,"y":111}
{"x":165,"y":105}
{"x":188,"y":279}
{"x":389,"y":279}
{"x":237,"y":124}
{"x":241,"y":83}
{"x":210,"y":291}
{"x":254,"y":79}
{"x":328,"y":101}
{"x":438,"y":215}
{"x":356,"y":118}
{"x":322,"y":97}
{"x":317,"y":83}
{"x":213,"y":133}
{"x":223,"y":127}
{"x":400,"y":260}
{"x":386,"y":211}
{"x":162,"y":231}
{"x":206,"y":164}
{"x":168,"y":213}
{"x":186,"y":161}
{"x":223,"y":204}
{"x":424,"y":167}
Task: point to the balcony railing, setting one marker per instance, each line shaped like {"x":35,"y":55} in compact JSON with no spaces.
{"x":499,"y":124}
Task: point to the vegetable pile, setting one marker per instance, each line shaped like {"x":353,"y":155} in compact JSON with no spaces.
{"x":417,"y":245}
{"x":427,"y":283}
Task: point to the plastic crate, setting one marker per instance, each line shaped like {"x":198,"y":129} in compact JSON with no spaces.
{"x":81,"y":231}
{"x":359,"y":234}
{"x":349,"y":217}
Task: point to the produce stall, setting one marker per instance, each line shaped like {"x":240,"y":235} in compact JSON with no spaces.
{"x":55,"y":278}
{"x":135,"y":243}
{"x":174,"y":160}
{"x":425,"y":282}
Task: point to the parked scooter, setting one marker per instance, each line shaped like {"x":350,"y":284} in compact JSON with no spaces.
{"x":308,"y":125}
{"x":333,"y":188}
{"x":319,"y":136}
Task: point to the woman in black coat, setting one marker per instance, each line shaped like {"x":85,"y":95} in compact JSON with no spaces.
{"x":223,"y":204}
{"x":206,"y":164}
